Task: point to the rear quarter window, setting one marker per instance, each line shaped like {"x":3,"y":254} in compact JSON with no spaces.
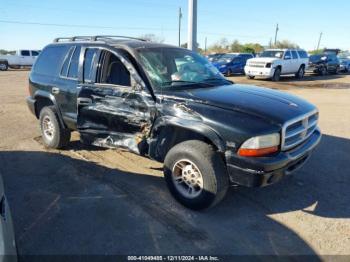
{"x":50,"y":60}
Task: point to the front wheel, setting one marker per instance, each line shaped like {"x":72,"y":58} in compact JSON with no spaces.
{"x":251,"y":77}
{"x":195,"y":174}
{"x":277,"y":75}
{"x":4,"y":66}
{"x":323,"y":71}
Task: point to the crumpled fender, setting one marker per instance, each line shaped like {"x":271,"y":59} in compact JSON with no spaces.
{"x":192,"y":125}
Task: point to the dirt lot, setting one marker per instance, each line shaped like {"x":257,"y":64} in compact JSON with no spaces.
{"x":86,"y":200}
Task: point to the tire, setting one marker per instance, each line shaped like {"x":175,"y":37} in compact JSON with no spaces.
{"x":251,"y":77}
{"x":301,"y":72}
{"x":323,"y":71}
{"x":208,"y":167}
{"x":229,"y":73}
{"x":53,"y":134}
{"x":277,"y":75}
{"x":4,"y":66}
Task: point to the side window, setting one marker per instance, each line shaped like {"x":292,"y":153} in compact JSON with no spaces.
{"x":237,"y":60}
{"x":74,"y":64}
{"x":113,"y":71}
{"x":50,"y":60}
{"x":89,"y":58}
{"x":25,"y":53}
{"x":302,"y":54}
{"x":287,"y":55}
{"x":294,"y":54}
{"x":65,"y":66}
{"x":35,"y":53}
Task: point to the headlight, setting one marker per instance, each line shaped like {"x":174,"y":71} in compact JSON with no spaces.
{"x":260,"y":145}
{"x":222,"y":66}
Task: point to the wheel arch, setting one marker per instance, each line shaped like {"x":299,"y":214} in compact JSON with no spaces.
{"x":180,"y":130}
{"x":43,"y":99}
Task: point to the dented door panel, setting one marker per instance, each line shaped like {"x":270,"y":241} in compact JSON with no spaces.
{"x":115,"y":116}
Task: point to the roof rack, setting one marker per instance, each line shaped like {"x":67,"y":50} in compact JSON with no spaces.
{"x":95,"y":38}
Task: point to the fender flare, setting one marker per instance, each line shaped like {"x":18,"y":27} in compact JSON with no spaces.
{"x":191,"y":125}
{"x":49,"y":96}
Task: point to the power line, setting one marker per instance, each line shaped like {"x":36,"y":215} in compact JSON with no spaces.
{"x":81,"y":25}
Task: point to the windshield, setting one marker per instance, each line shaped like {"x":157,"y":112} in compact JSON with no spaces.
{"x":272,"y":53}
{"x":171,"y":68}
{"x":226,"y":58}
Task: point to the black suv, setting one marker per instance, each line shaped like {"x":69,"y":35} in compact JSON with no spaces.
{"x":323,"y":64}
{"x":171,"y":105}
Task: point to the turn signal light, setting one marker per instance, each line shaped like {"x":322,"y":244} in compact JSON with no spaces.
{"x":257,"y":152}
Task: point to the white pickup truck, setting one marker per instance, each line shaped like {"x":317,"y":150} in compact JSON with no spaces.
{"x":273,"y":63}
{"x":20,"y":59}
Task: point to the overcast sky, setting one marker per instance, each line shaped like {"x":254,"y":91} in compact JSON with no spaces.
{"x":33,"y":24}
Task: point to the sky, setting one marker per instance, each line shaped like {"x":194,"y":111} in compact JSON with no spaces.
{"x":32,"y":24}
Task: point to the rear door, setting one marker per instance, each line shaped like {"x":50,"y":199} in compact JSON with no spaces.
{"x":65,"y":89}
{"x":113,"y":111}
{"x":296,"y":62}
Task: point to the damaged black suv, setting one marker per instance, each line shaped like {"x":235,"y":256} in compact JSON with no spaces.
{"x":171,"y":105}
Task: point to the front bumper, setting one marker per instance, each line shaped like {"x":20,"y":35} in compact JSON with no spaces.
{"x":263,"y":171}
{"x":31,"y":104}
{"x":259,"y":71}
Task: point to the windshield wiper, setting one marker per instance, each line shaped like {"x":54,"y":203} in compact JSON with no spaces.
{"x":217,"y":79}
{"x":185,"y":83}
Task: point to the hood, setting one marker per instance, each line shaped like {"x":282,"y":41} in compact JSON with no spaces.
{"x":265,"y":103}
{"x":264,"y":59}
{"x":218,"y":64}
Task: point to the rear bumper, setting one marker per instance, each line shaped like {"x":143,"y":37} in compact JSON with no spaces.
{"x":263,"y":171}
{"x":31,"y":104}
{"x":259,"y":71}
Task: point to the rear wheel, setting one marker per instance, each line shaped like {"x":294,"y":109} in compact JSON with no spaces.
{"x":195,"y":174}
{"x":229,"y":72}
{"x":301,"y":72}
{"x":251,"y":77}
{"x":53,"y":134}
{"x":277,"y":75}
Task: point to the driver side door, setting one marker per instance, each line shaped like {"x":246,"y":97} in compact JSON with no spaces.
{"x":113,"y":111}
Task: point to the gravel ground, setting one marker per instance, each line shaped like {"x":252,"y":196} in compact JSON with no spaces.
{"x":87,"y":200}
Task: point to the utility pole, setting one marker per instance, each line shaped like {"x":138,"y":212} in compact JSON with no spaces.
{"x":192,"y":25}
{"x":205,"y":45}
{"x":319,"y":41}
{"x":277,"y":28}
{"x":180,"y":17}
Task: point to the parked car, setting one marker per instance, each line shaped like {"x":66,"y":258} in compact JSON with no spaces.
{"x":172,"y":105}
{"x":234,"y":63}
{"x":214,"y":57}
{"x":323,"y":64}
{"x":8,"y":250}
{"x":344,"y":64}
{"x":20,"y":59}
{"x":273,"y":63}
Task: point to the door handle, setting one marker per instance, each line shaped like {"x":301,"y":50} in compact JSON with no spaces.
{"x":55,"y":90}
{"x":84,"y":101}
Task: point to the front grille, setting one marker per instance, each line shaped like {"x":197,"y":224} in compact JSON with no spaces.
{"x":257,"y":64}
{"x":296,"y":131}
